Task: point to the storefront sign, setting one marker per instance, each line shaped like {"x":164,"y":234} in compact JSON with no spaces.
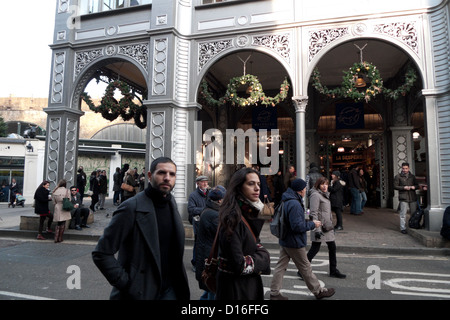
{"x":347,"y":157}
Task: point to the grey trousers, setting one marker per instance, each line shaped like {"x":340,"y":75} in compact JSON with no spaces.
{"x":404,"y":206}
{"x":303,"y":265}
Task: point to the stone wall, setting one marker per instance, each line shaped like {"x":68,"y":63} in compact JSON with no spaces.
{"x":32,"y":110}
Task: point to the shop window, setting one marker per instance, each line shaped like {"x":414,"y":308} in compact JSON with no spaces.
{"x":95,"y":6}
{"x":6,"y":176}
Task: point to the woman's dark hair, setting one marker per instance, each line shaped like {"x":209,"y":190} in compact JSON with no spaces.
{"x":44,"y":183}
{"x":229,"y":211}
{"x":319,"y":181}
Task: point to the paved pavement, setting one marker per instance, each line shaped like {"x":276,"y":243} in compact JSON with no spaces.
{"x":376,"y":231}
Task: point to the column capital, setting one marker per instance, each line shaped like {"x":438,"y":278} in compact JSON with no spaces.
{"x":300,"y":103}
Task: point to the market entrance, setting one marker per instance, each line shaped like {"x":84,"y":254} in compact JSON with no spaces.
{"x":346,"y":141}
{"x":362,"y":95}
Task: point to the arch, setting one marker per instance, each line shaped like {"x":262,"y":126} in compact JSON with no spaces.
{"x":229,"y":52}
{"x":413,"y":56}
{"x":121,"y":132}
{"x":89,"y":71}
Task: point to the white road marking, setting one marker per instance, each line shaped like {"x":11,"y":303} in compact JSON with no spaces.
{"x":23,"y":296}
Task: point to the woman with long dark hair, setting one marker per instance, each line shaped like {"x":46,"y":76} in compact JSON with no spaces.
{"x":41,"y":200}
{"x":242,"y":259}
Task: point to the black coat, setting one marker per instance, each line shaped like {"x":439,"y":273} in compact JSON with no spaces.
{"x":207,"y":229}
{"x":196,"y":203}
{"x":103,"y":184}
{"x":133,"y":232}
{"x":445,"y":230}
{"x":337,"y":193}
{"x":41,"y":201}
{"x":240,"y":282}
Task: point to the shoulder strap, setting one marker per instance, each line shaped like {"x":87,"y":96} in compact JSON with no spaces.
{"x":248,"y":226}
{"x":215,"y":247}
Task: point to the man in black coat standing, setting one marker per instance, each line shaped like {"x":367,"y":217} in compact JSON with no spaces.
{"x":147,"y":232}
{"x":81,"y":182}
{"x":196,"y":204}
{"x":206,"y":233}
{"x":336,"y":189}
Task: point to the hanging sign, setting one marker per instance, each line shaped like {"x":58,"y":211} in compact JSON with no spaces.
{"x":264,"y":118}
{"x":350,"y":115}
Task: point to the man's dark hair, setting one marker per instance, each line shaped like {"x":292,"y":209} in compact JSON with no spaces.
{"x":161,"y":160}
{"x":405,"y":164}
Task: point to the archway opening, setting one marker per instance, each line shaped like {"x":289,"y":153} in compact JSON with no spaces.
{"x":116,"y":84}
{"x":372,"y":123}
{"x":263,"y":119}
{"x":102,"y":75}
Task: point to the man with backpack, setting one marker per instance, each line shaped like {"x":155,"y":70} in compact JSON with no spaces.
{"x":406,"y":184}
{"x":293,"y":242}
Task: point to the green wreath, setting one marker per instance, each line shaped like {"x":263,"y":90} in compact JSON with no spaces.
{"x":111,"y":109}
{"x":348,"y":87}
{"x":255,"y":90}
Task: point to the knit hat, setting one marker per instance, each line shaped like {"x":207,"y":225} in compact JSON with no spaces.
{"x":336,"y":173}
{"x":298,"y":185}
{"x":216,"y":193}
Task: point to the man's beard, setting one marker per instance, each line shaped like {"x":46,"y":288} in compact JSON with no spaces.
{"x":164,"y":191}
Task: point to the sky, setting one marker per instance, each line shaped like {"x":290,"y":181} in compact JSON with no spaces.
{"x":26,"y":31}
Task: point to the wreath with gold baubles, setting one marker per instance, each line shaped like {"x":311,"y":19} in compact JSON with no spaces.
{"x":111,"y":109}
{"x":254,"y":89}
{"x":349,"y":87}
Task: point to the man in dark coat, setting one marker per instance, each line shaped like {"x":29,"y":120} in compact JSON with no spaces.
{"x":196,"y":204}
{"x":147,"y":232}
{"x":406,"y":184}
{"x":354,"y":184}
{"x":312,"y":177}
{"x":336,"y":189}
{"x":116,"y":187}
{"x":207,"y":229}
{"x":81,"y":182}
{"x":292,"y":246}
{"x":79,"y":213}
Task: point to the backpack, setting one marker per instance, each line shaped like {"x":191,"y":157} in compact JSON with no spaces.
{"x":416,"y":218}
{"x":277,"y":227}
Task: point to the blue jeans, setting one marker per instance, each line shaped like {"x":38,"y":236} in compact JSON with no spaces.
{"x":116,"y":197}
{"x":208,"y":296}
{"x":355,"y":208}
{"x":363,"y":199}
